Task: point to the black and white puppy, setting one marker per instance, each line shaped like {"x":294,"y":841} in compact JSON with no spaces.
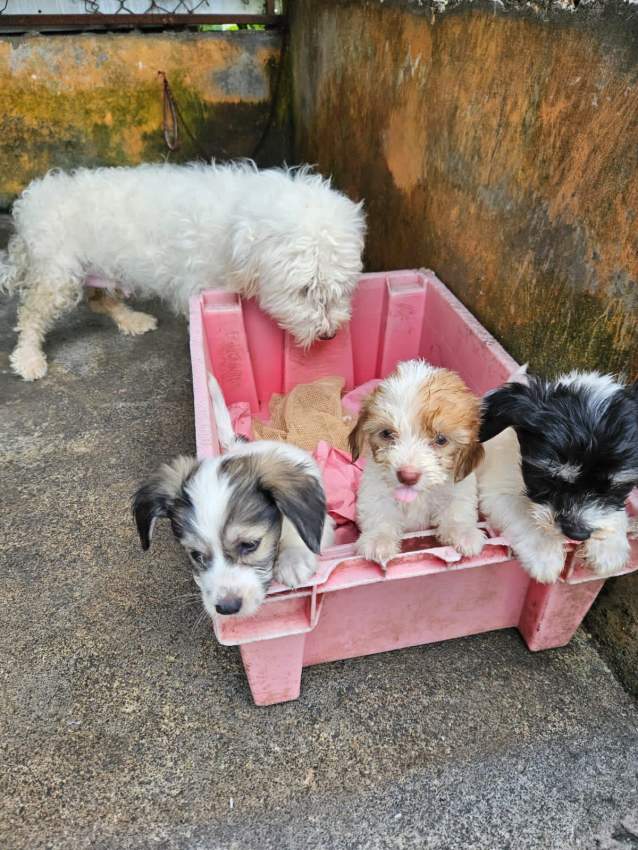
{"x":251,"y":515}
{"x":561,"y":458}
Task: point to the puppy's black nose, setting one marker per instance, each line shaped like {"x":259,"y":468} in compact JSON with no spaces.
{"x":326,"y":337}
{"x":575,"y":532}
{"x":228,"y":605}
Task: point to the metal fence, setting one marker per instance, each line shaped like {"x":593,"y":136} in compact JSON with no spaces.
{"x":22,"y":15}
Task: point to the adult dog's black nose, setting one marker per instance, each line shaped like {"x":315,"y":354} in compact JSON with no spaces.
{"x":575,"y":532}
{"x":326,"y":337}
{"x":228,"y":605}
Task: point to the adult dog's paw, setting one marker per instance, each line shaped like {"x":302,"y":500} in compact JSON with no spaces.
{"x":28,"y":362}
{"x":134,"y":323}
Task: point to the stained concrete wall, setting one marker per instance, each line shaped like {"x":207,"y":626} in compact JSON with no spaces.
{"x":72,"y":100}
{"x":496,"y":144}
{"x":613,"y":621}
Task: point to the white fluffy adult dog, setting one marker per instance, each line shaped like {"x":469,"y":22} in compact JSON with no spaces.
{"x":422,"y":426}
{"x":283,"y":236}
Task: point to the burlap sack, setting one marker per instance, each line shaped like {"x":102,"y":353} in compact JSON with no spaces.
{"x":307,"y":414}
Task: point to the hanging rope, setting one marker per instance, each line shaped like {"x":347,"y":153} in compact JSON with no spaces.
{"x":171,"y":119}
{"x":274,"y":101}
{"x":169,"y":115}
{"x":172,"y":116}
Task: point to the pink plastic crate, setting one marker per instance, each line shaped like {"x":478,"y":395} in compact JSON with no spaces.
{"x":429,"y":592}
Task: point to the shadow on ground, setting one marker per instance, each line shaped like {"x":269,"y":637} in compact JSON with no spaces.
{"x":126,"y":726}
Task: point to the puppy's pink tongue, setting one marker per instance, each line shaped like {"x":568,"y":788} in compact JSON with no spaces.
{"x":405,"y":494}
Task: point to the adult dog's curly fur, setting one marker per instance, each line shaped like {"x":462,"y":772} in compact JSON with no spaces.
{"x":283,"y":236}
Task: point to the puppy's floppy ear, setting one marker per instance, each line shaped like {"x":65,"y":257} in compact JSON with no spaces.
{"x":467,"y":460}
{"x":298,"y":495}
{"x":157,"y":496}
{"x":511,"y":405}
{"x":357,"y":437}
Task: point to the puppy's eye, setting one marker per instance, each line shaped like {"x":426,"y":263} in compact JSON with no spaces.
{"x":198,"y":557}
{"x":248,"y":546}
{"x":387,"y":434}
{"x":441,"y":440}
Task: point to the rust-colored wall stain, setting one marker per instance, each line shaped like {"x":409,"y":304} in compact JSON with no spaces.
{"x":496,"y":147}
{"x":67,"y":101}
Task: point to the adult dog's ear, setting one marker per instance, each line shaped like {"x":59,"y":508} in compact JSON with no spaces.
{"x":158,"y":495}
{"x":297,"y":493}
{"x":509,"y":406}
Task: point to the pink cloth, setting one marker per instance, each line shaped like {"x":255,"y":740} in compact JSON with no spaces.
{"x":341,"y":478}
{"x":352,"y":401}
{"x":96,"y":282}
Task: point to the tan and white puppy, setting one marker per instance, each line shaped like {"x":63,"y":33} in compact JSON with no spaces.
{"x":421,"y":426}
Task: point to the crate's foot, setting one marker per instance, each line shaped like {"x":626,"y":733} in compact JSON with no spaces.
{"x":273,"y":668}
{"x":552,"y":612}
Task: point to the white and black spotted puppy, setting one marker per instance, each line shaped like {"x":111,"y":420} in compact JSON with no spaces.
{"x":251,"y":515}
{"x":561,"y":458}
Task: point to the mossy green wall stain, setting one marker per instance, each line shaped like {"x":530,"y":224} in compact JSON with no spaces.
{"x":497,"y":148}
{"x":91,"y":100}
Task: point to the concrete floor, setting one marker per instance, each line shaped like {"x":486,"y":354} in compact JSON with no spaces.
{"x":126,"y":726}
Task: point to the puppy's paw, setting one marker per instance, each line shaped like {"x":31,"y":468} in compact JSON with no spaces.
{"x":468,"y":541}
{"x":607,"y":555}
{"x":295,"y":566}
{"x":378,"y":547}
{"x":28,"y":362}
{"x":545,"y":563}
{"x":134,"y":323}
{"x":328,"y":534}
